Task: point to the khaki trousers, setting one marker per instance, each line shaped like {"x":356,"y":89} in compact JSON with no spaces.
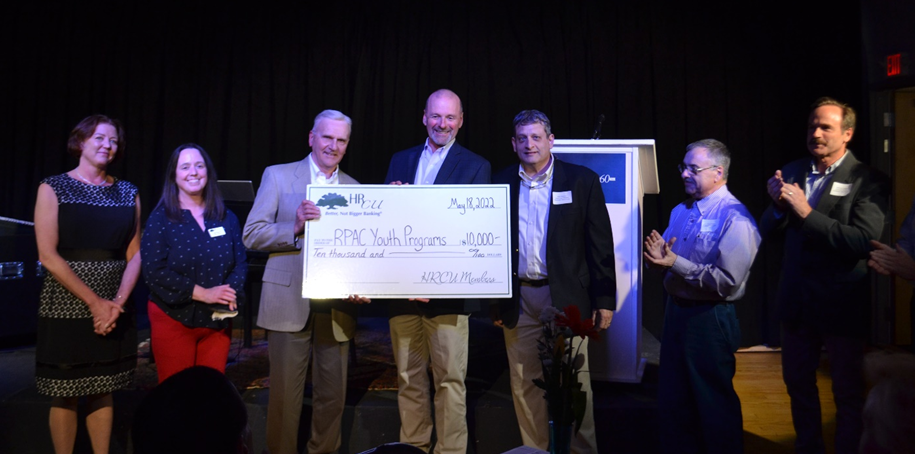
{"x":441,"y":341}
{"x":524,"y":366}
{"x":289,"y":358}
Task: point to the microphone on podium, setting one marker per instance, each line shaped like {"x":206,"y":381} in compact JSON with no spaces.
{"x":600,"y":122}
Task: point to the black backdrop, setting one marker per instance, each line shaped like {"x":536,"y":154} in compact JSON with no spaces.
{"x":246,"y":82}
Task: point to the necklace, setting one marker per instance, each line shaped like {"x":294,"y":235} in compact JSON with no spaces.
{"x":103,"y":183}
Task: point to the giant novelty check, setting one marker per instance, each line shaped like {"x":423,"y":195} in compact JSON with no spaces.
{"x":428,"y":241}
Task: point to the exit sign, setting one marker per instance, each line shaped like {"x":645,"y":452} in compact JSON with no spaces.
{"x":894,"y":65}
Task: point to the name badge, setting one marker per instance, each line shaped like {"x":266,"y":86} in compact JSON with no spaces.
{"x":216,"y":231}
{"x":562,"y":198}
{"x":840,"y":189}
{"x":708,"y":226}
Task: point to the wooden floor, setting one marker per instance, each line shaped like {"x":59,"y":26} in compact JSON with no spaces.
{"x":766,"y":407}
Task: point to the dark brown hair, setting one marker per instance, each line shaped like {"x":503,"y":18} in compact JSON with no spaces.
{"x":848,"y":114}
{"x":215,"y":208}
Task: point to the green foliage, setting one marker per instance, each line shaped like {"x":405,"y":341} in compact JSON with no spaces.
{"x":332,"y":201}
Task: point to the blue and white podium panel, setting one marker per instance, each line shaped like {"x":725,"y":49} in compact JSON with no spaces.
{"x":628,"y":171}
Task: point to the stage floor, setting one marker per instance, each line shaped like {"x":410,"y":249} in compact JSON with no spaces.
{"x":625,"y":414}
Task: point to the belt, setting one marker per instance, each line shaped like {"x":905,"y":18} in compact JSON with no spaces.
{"x":91,"y":255}
{"x":683,"y":302}
{"x":535,"y":282}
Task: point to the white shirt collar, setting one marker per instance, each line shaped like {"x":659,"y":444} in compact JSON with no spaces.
{"x":317,"y":175}
{"x":540,"y":179}
{"x":830,"y":169}
{"x":444,"y":150}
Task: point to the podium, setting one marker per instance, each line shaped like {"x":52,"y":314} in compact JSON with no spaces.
{"x":628,"y":170}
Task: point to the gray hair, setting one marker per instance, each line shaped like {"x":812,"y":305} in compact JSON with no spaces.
{"x":529,"y":117}
{"x":331,"y":114}
{"x":717,"y":152}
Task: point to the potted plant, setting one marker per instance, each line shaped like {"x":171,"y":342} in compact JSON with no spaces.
{"x":562,"y":360}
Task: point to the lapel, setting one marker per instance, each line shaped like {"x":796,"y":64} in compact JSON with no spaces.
{"x":560,"y":184}
{"x":448,"y":166}
{"x":842,"y":175}
{"x":800,"y":175}
{"x":301,"y":176}
{"x":514,"y":188}
{"x":412,"y":163}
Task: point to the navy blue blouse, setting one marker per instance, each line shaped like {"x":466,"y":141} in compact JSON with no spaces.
{"x":176,"y":256}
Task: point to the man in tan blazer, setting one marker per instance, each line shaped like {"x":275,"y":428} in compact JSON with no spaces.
{"x":295,"y":325}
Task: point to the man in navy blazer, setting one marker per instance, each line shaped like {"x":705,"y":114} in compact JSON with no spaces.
{"x":436,"y":331}
{"x":829,"y":208}
{"x":562,"y":255}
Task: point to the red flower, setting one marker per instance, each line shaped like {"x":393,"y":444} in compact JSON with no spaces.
{"x":572,"y":319}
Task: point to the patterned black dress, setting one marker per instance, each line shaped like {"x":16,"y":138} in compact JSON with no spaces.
{"x":95,"y":226}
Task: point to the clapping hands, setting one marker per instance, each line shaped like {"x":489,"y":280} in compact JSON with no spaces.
{"x":884,"y":259}
{"x":788,"y":196}
{"x":658,"y":252}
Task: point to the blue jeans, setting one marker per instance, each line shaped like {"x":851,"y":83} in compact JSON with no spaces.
{"x":699,"y":410}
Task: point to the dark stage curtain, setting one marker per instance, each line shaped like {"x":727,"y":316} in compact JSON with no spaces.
{"x":246,"y":83}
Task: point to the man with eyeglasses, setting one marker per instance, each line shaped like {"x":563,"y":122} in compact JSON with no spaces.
{"x":705,"y":253}
{"x":829,"y":206}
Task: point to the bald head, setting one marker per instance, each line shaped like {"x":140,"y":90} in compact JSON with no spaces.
{"x":443,"y":117}
{"x":447,"y":94}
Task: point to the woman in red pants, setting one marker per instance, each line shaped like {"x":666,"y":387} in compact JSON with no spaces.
{"x":194,"y":265}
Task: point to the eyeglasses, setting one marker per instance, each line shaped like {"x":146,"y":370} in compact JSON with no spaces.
{"x":693,"y":169}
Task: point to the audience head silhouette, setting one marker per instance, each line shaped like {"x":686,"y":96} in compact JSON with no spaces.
{"x":197,"y":410}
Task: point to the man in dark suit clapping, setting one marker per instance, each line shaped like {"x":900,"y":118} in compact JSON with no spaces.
{"x":829,"y":206}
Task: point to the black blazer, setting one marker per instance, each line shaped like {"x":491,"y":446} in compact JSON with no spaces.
{"x":462,"y":166}
{"x":579,"y":249}
{"x":824,"y":281}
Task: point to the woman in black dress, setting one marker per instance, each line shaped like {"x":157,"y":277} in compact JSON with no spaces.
{"x":88,"y":235}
